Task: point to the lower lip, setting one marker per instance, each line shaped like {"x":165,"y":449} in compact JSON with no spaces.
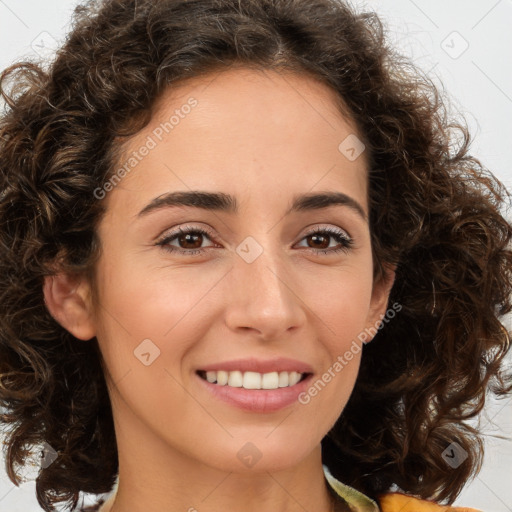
{"x":258,"y":400}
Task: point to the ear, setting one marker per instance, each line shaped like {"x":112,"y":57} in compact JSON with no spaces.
{"x":379,"y":301}
{"x":67,"y":298}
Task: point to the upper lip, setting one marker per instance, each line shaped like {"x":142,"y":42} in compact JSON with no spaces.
{"x":279,"y":364}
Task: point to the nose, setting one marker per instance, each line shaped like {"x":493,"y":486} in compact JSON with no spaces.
{"x":264,"y":297}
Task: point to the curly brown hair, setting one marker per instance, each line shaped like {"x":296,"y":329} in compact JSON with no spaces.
{"x":436,"y":213}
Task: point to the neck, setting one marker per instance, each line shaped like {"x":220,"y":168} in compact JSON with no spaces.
{"x":293,"y":490}
{"x":156,"y":475}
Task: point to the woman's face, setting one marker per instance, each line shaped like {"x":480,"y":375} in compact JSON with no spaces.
{"x":265,"y":281}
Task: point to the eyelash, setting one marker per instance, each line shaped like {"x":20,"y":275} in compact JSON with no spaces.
{"x":339,"y":235}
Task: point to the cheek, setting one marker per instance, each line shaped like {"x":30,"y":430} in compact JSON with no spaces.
{"x":342,"y":300}
{"x":148,"y":324}
{"x":341,"y":303}
{"x":341,"y":309}
{"x":157,"y":304}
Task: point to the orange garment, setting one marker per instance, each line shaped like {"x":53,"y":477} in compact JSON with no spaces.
{"x":388,"y":502}
{"x":397,"y":502}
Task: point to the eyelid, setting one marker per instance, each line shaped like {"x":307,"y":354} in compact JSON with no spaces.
{"x":332,"y":231}
{"x":326,"y":227}
{"x":172,"y":232}
{"x":335,"y":232}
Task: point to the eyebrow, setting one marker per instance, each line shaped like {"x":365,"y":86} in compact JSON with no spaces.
{"x":218,"y":201}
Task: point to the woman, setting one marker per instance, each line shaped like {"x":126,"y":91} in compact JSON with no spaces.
{"x":245,"y":263}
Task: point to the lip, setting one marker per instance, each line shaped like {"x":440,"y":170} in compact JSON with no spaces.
{"x":279,"y":364}
{"x":257,"y":400}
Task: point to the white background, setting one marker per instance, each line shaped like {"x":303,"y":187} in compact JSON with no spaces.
{"x":435,"y":34}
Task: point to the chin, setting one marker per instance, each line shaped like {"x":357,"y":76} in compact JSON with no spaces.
{"x":258,"y":454}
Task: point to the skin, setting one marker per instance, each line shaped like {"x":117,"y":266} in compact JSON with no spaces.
{"x":262,"y":137}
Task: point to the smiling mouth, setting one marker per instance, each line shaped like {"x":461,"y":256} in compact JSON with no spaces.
{"x":253,"y":380}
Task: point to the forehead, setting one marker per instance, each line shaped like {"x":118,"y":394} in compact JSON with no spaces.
{"x":246,"y":129}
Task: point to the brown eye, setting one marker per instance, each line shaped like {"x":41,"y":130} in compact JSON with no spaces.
{"x":320,"y":240}
{"x":188,"y":241}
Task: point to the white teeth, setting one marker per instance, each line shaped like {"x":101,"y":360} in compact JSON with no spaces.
{"x":294,"y":378}
{"x":235,"y":379}
{"x":222,"y":377}
{"x":270,"y":380}
{"x":254,"y":380}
